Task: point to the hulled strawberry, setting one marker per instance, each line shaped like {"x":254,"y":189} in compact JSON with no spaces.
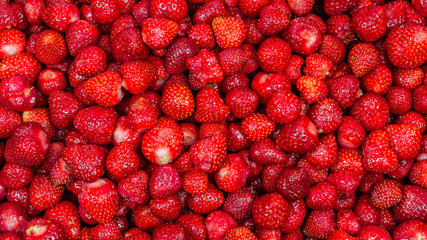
{"x":312,"y":89}
{"x":378,"y":80}
{"x":60,"y":15}
{"x":205,"y":68}
{"x":218,"y":223}
{"x":274,"y":54}
{"x":128,"y":46}
{"x":302,"y":35}
{"x":319,"y":224}
{"x":122,"y":161}
{"x":229,"y":31}
{"x":369,"y":23}
{"x":12,"y":43}
{"x":13,"y":218}
{"x":326,"y":114}
{"x":17,"y":93}
{"x":206,"y":202}
{"x":110,"y":230}
{"x":142,"y":115}
{"x":270,"y":210}
{"x":371,"y":110}
{"x":158,"y":33}
{"x":79,"y":35}
{"x":363,"y":58}
{"x":40,"y":228}
{"x":135,"y":187}
{"x":233,"y":173}
{"x":105,"y":11}
{"x":137,"y":76}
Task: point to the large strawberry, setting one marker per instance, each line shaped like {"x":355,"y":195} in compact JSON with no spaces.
{"x":177,"y":101}
{"x":24,"y":63}
{"x":229,"y":31}
{"x":158,"y":33}
{"x":105,"y":88}
{"x":209,"y":154}
{"x":210,"y":107}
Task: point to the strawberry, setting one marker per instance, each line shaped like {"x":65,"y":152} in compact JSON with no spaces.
{"x":417,"y":174}
{"x":110,"y":231}
{"x":319,"y":224}
{"x":177,"y":54}
{"x":266,"y":84}
{"x":419,"y":100}
{"x":326,"y":115}
{"x":142,"y":115}
{"x":163,"y":143}
{"x":50,"y":47}
{"x":257,"y":126}
{"x":195,"y":181}
{"x":312,"y":89}
{"x":75,"y":38}
{"x":229,"y":31}
{"x":302,"y":35}
{"x":269,"y":176}
{"x":122,"y":23}
{"x":210,"y":107}
{"x":122,"y":161}
{"x":334,"y":7}
{"x":41,"y":116}
{"x":413,"y":118}
{"x":89,"y":62}
{"x":333,"y":48}
{"x":325,"y":153}
{"x":135,"y":187}
{"x":322,"y":196}
{"x":43,"y":193}
{"x":144,"y":219}
{"x":252,"y":8}
{"x":169,"y":231}
{"x":404,"y":140}
{"x":104,"y":118}
{"x":340,"y":26}
{"x":86,"y":162}
{"x":24,"y":63}
{"x":371,"y":110}
{"x":50,"y":80}
{"x":60,"y":15}
{"x":399,"y":99}
{"x":168,"y":208}
{"x":386,"y":194}
{"x":208,"y":11}
{"x":273,"y":19}
{"x":233,"y":173}
{"x":12,"y":43}
{"x":372,"y":231}
{"x":233,"y":60}
{"x":274,"y":54}
{"x":347,"y":221}
{"x":265,"y":152}
{"x":299,"y":136}
{"x":370,"y":23}
{"x":172,"y":10}
{"x":13,"y":218}
{"x":190,"y":132}
{"x":283,"y":107}
{"x":409,"y":78}
{"x":242,"y":233}
{"x":205,"y":68}
{"x":164,"y":182}
{"x":40,"y":228}
{"x":317,"y":65}
{"x":208,"y":154}
{"x":270,"y":210}
{"x":33,"y":11}
{"x":408,"y":208}
{"x":17,"y":93}
{"x":105,"y":11}
{"x":158,"y":33}
{"x":411,"y":229}
{"x":238,"y":204}
{"x":293,"y":183}
{"x":63,"y":108}
{"x":242,"y":101}
{"x":99,"y":199}
{"x":203,"y":35}
{"x":206,"y":202}
{"x":351,"y":133}
{"x":129,"y":46}
{"x":66,"y":214}
{"x":378,"y":80}
{"x":218,"y":223}
{"x":301,"y":8}
{"x":27,"y":146}
{"x":404,"y":48}
{"x":137,"y":76}
{"x":105,"y":88}
{"x":193,"y":225}
{"x":363,"y":58}
{"x":15,"y":176}
{"x":9,"y":120}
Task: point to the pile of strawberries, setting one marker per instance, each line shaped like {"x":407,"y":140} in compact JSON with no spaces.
{"x":213,"y":119}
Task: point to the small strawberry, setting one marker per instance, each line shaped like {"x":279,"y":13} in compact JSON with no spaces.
{"x":323,"y":196}
{"x":24,"y":63}
{"x":144,"y":218}
{"x":50,"y":80}
{"x":351,"y":133}
{"x":12,"y":43}
{"x":218,"y":223}
{"x":203,"y":35}
{"x":269,"y":176}
{"x":122,"y":161}
{"x":406,"y":46}
{"x":252,"y":8}
{"x":81,"y":34}
{"x":333,"y":48}
{"x":257,"y":126}
{"x":13,"y":218}
{"x":105,"y":88}
{"x":239,"y":233}
{"x":208,"y":154}
{"x":273,"y":19}
{"x":40,"y":228}
{"x":195,"y":182}
{"x":105,"y":11}
{"x":129,"y":46}
{"x":158,"y":33}
{"x":265,"y":152}
{"x":270,"y":210}
{"x":326,"y":114}
{"x":408,"y":78}
{"x":233,"y":173}
{"x":63,"y":108}
{"x":60,"y":15}
{"x":319,"y":224}
{"x":404,"y":140}
{"x":15,"y":176}
{"x":242,"y":101}
{"x":163,"y":143}
{"x":232,"y":60}
{"x":43,"y":193}
{"x":325,"y":153}
{"x":344,"y":89}
{"x":142,"y":115}
{"x":89,"y":62}
{"x":293,"y":183}
{"x":302,"y":35}
{"x":372,"y":231}
{"x":378,"y":80}
{"x":418,"y":173}
{"x":283,"y":107}
{"x":17,"y":93}
{"x":99,"y":199}
{"x":206,"y":202}
{"x":172,"y":10}
{"x":34,"y":10}
{"x":229,"y":31}
{"x":371,"y":110}
{"x":415,"y":119}
{"x":266,"y":84}
{"x":10,"y":120}
{"x":370,"y":22}
{"x":299,"y":136}
{"x":386,"y":194}
{"x":135,"y":187}
{"x":110,"y":231}
{"x":50,"y":47}
{"x":363,"y":58}
{"x":104,"y":118}
{"x":193,"y":225}
{"x":408,"y":208}
{"x":177,"y":54}
{"x":334,"y":7}
{"x":66,"y":214}
{"x":86,"y":162}
{"x":164,"y":182}
{"x":419,"y":99}
{"x":169,"y":231}
{"x":205,"y":68}
{"x":210,"y":107}
{"x":274,"y":54}
{"x":312,"y":89}
{"x":137,"y":76}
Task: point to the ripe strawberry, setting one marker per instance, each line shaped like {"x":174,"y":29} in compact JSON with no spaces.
{"x":164,"y":182}
{"x":283,"y":107}
{"x":205,"y":68}
{"x":344,"y":89}
{"x":293,"y":183}
{"x":203,"y":35}
{"x":10,"y":120}
{"x":24,"y":63}
{"x":409,"y":78}
{"x":137,"y":76}
{"x":417,"y":174}
{"x":405,"y":46}
{"x":302,"y":35}
{"x":122,"y":23}
{"x":99,"y":199}
{"x":233,"y":60}
{"x":17,"y":93}
{"x":269,"y":176}
{"x":66,"y":214}
{"x":172,"y":10}
{"x":372,"y":231}
{"x":266,"y":84}
{"x":79,"y":35}
{"x":63,"y":108}
{"x":301,"y":8}
{"x":129,"y":46}
{"x":411,"y":229}
{"x":12,"y":43}
{"x":363,"y":58}
{"x":333,"y":48}
{"x":158,"y":33}
{"x":60,"y":15}
{"x":15,"y":176}
{"x":177,"y":54}
{"x":312,"y":89}
{"x":326,"y":115}
{"x":208,"y":11}
{"x":122,"y":161}
{"x":319,"y":224}
{"x":378,"y":80}
{"x":218,"y":223}
{"x":105,"y":11}
{"x":274,"y":54}
{"x":86,"y":162}
{"x":208,"y":154}
{"x":229,"y":31}
{"x":386,"y":194}
{"x":169,"y":231}
{"x":193,"y":225}
{"x":43,"y":193}
{"x":50,"y":80}
{"x":399,"y":99}
{"x":241,"y":233}
{"x":323,"y":196}
{"x":33,"y":11}
{"x":266,"y":152}
{"x":142,"y":115}
{"x":273,"y":19}
{"x":210,"y":107}
{"x":334,"y":7}
{"x":404,"y":140}
{"x":351,"y":133}
{"x":50,"y":47}
{"x":408,"y":208}
{"x":195,"y":182}
{"x":163,"y":143}
{"x":27,"y":146}
{"x":110,"y":231}
{"x":144,"y":219}
{"x":135,"y":187}
{"x":233,"y":173}
{"x":105,"y":88}
{"x":365,"y":212}
{"x":419,"y":100}
{"x":347,"y":221}
{"x":206,"y":202}
{"x":13,"y":218}
{"x":40,"y":228}
{"x":257,"y":126}
{"x":238,"y":204}
{"x":270,"y":210}
{"x":242,"y":101}
{"x":299,"y":136}
{"x":371,"y":110}
{"x":317,"y":65}
{"x":325,"y":153}
{"x":370,"y":23}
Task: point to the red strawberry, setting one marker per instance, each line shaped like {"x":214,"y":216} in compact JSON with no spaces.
{"x":163,"y":143}
{"x":193,"y":225}
{"x":13,"y":218}
{"x":319,"y":224}
{"x":206,"y":202}
{"x":302,"y":35}
{"x":105,"y":11}
{"x":169,"y":231}
{"x":81,"y":34}
{"x":203,"y":35}
{"x":210,"y":107}
{"x":50,"y":47}
{"x":411,"y":229}
{"x":419,"y":99}
{"x":172,"y":10}
{"x":251,"y":8}
{"x":137,"y":76}
{"x":104,"y":118}
{"x":122,"y":23}
{"x":122,"y":161}
{"x":89,"y":62}
{"x":269,"y":176}
{"x":168,"y":208}
{"x":12,"y":43}
{"x":340,"y":26}
{"x":265,"y":152}
{"x":293,"y":183}
{"x":17,"y":93}
{"x":333,"y":48}
{"x":60,"y":15}
{"x":99,"y":199}
{"x":326,"y":115}
{"x":406,"y":46}
{"x":270,"y":210}
{"x":86,"y":162}
{"x":177,"y":54}
{"x":371,"y":110}
{"x":266,"y":84}
{"x":299,"y":136}
{"x":257,"y":126}
{"x":40,"y":228}
{"x":312,"y":89}
{"x":24,"y":63}
{"x":363,"y":58}
{"x":404,"y":140}
{"x":177,"y":101}
{"x":344,"y":89}
{"x":129,"y":46}
{"x":273,"y":19}
{"x":144,"y":219}
{"x":27,"y":146}
{"x":409,"y":78}
{"x":41,"y":116}
{"x":233,"y":60}
{"x":9,"y":120}
{"x":205,"y":68}
{"x":229,"y":31}
{"x":238,"y":204}
{"x":110,"y":231}
{"x":378,"y":80}
{"x":164,"y":182}
{"x":333,"y":7}
{"x":63,"y":108}
{"x":323,"y":196}
{"x":43,"y":193}
{"x":218,"y":223}
{"x":408,"y":208}
{"x":378,"y":157}
{"x":15,"y":176}
{"x":33,"y":11}
{"x":242,"y":101}
{"x":233,"y":173}
{"x":105,"y":88}
{"x":208,"y":154}
{"x":283,"y":107}
{"x":372,"y":231}
{"x":386,"y":194}
{"x":241,"y":233}
{"x":274,"y":55}
{"x":195,"y":182}
{"x":325,"y":153}
{"x":50,"y":80}
{"x":370,"y":23}
{"x":158,"y":33}
{"x":417,"y":174}
{"x":142,"y":115}
{"x":351,"y":133}
{"x":135,"y":187}
{"x":190,"y":132}
{"x":66,"y":214}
